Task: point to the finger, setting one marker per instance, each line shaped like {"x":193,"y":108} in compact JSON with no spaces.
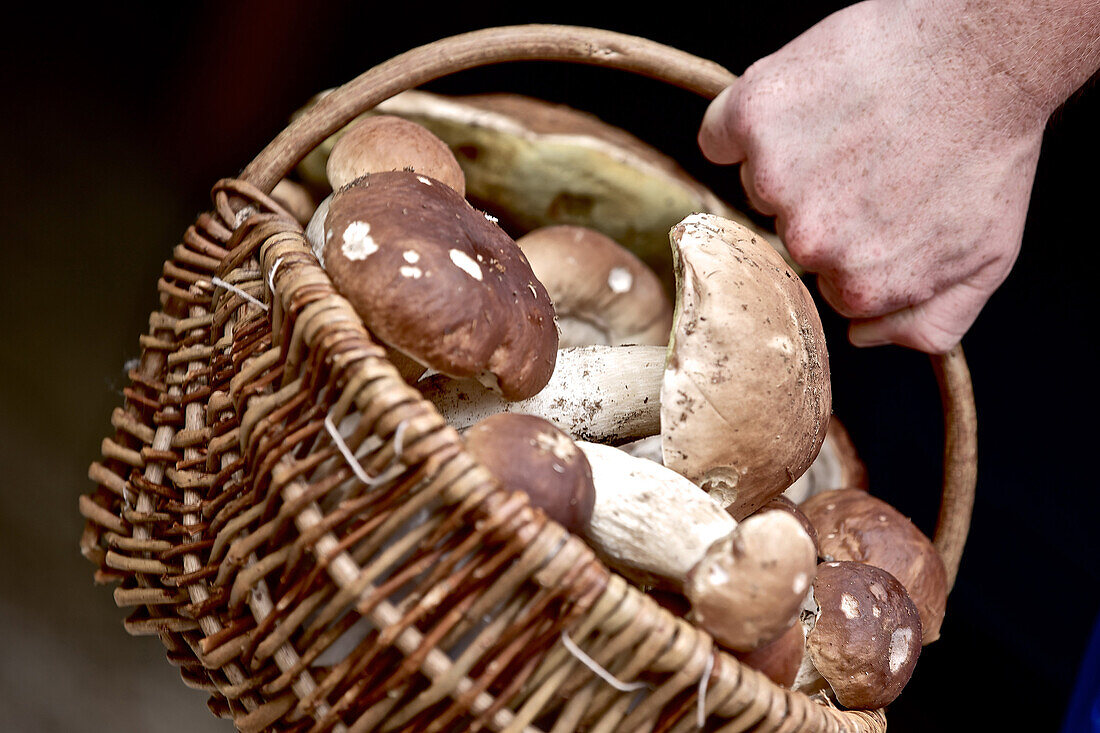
{"x":749,"y":184}
{"x":860,"y":301}
{"x":934,"y":326}
{"x":717,"y":138}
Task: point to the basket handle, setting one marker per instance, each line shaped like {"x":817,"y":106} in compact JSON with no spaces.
{"x":648,"y":58}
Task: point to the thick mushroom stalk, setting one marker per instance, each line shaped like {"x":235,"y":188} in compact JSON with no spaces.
{"x":603,"y":394}
{"x":649,"y":523}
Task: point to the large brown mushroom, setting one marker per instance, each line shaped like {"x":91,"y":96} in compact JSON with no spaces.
{"x":435,"y":279}
{"x":854,"y":525}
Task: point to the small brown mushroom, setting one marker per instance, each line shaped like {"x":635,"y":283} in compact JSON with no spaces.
{"x":387,"y":143}
{"x":747,"y":589}
{"x":865,"y":635}
{"x":434,"y":278}
{"x":602,"y":293}
{"x":854,"y":525}
{"x":527,"y":453}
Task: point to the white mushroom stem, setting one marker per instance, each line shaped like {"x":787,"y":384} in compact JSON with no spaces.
{"x":649,"y":523}
{"x":604,"y":394}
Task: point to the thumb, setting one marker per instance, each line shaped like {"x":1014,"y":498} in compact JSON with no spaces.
{"x":716,"y":134}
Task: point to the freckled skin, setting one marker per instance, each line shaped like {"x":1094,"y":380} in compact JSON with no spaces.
{"x":896,"y":143}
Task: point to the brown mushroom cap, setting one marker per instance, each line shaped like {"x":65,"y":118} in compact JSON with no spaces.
{"x":602,"y":293}
{"x":866,"y":638}
{"x":528,"y":453}
{"x":434,"y":278}
{"x":749,"y":587}
{"x":387,"y":143}
{"x":783,"y":504}
{"x":854,"y":525}
{"x":746,"y":396}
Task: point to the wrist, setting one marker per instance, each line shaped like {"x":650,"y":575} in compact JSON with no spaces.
{"x":1015,"y":62}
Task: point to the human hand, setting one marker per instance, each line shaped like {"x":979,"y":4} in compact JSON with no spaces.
{"x":898,"y":166}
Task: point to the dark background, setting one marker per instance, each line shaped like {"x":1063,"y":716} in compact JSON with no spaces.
{"x":117,"y":122}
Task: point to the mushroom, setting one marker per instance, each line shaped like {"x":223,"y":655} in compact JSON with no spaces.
{"x":744,"y":393}
{"x":747,"y":589}
{"x":837,"y":466}
{"x":602,"y":293}
{"x":853,"y":525}
{"x":387,"y":143}
{"x":745,"y":581}
{"x":864,"y":635}
{"x":527,"y":453}
{"x":432,"y":277}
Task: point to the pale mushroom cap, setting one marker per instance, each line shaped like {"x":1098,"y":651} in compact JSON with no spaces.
{"x":294,"y":197}
{"x":837,"y":466}
{"x":746,"y":396}
{"x":527,"y":453}
{"x":866,"y":639}
{"x":602,"y":293}
{"x":854,"y":525}
{"x":434,"y":278}
{"x":749,"y":587}
{"x":387,"y":143}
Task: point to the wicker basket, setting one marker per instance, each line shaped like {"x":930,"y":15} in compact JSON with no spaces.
{"x":215,"y":505}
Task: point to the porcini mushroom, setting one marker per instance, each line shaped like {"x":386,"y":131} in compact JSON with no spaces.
{"x":864,"y":634}
{"x":748,"y":587}
{"x":387,"y":143}
{"x":602,"y":293}
{"x":745,"y":582}
{"x":648,"y":522}
{"x":435,"y":279}
{"x":745,"y":395}
{"x":856,"y":526}
{"x":527,"y":453}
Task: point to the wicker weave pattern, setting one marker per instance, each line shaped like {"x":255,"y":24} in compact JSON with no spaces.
{"x":244,"y":540}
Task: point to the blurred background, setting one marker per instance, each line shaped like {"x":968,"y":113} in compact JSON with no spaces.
{"x":119,"y":118}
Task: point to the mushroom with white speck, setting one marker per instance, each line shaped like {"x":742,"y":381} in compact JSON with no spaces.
{"x":433,"y":278}
{"x":527,"y":453}
{"x":602,"y":292}
{"x":864,"y":639}
{"x":855,"y":525}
